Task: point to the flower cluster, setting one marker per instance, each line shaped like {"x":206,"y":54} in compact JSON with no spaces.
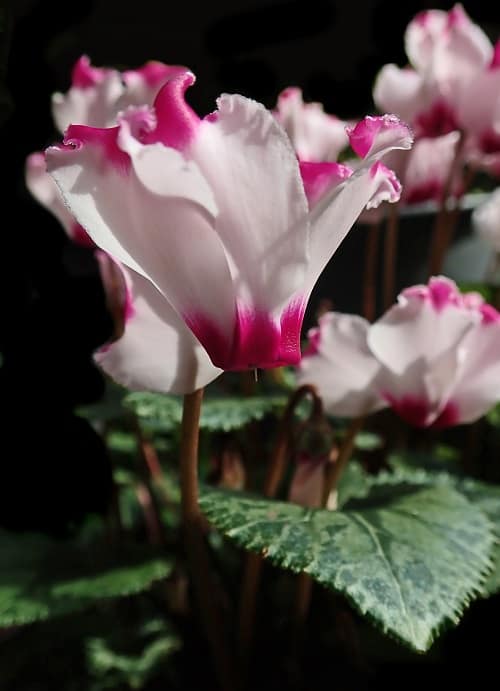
{"x":221,"y":229}
{"x":451,"y":86}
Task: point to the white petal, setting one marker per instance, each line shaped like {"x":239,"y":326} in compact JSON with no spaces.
{"x":142,"y":84}
{"x":250,"y":164}
{"x":478,"y":388}
{"x":419,"y":343}
{"x":421,"y":36}
{"x":335,"y":213}
{"x":343,"y":369}
{"x":447,"y":43}
{"x":478,"y":103}
{"x":416,"y":329}
{"x":315,"y":135}
{"x":428,"y":168}
{"x":157,"y":352}
{"x":152,"y":212}
{"x":399,"y":91}
{"x":44,"y":189}
{"x":462,"y":51}
{"x":96,"y":106}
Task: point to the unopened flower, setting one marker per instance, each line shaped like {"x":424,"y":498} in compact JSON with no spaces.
{"x":216,"y":217}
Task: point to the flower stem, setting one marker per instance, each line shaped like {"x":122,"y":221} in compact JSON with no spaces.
{"x":335,"y":470}
{"x":277,"y":467}
{"x":305,"y":583}
{"x":154,"y":530}
{"x":151,"y":475}
{"x":390,"y":255}
{"x":370,"y":272}
{"x":198,"y":558}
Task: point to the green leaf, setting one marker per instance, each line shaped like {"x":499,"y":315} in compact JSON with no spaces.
{"x":487,"y":498}
{"x":484,"y":289}
{"x":410,"y":558}
{"x":484,"y":496}
{"x":227,"y":414}
{"x":114,"y":668}
{"x":110,"y":407}
{"x":217,"y":414}
{"x":42,"y":578}
{"x":127,"y":627}
{"x":354,"y":483}
{"x":493,"y":416}
{"x":367,"y":441}
{"x":157,"y":410}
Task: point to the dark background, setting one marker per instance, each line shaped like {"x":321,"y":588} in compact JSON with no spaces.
{"x":51,"y":301}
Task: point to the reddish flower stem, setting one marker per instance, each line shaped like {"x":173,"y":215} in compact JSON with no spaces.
{"x":333,"y":471}
{"x":198,"y":558}
{"x":153,"y":525}
{"x":277,"y":467}
{"x":152,"y":476}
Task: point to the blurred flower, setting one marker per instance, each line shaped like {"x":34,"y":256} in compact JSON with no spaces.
{"x":424,"y":170}
{"x":96,"y":97}
{"x":486,"y":220}
{"x":138,"y":312}
{"x":433,"y":357}
{"x":46,"y":192}
{"x":217,"y":219}
{"x":320,"y":137}
{"x":315,"y":135}
{"x":98,"y":94}
{"x":340,"y":364}
{"x":453,"y":84}
{"x":447,"y":52}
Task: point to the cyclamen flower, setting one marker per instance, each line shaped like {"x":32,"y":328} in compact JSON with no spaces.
{"x":315,"y":135}
{"x":448,"y":53}
{"x":434,"y":357}
{"x":218,"y":218}
{"x":157,"y":351}
{"x":96,"y":96}
{"x":145,"y":326}
{"x":424,"y":170}
{"x":486,"y":220}
{"x":340,"y":364}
